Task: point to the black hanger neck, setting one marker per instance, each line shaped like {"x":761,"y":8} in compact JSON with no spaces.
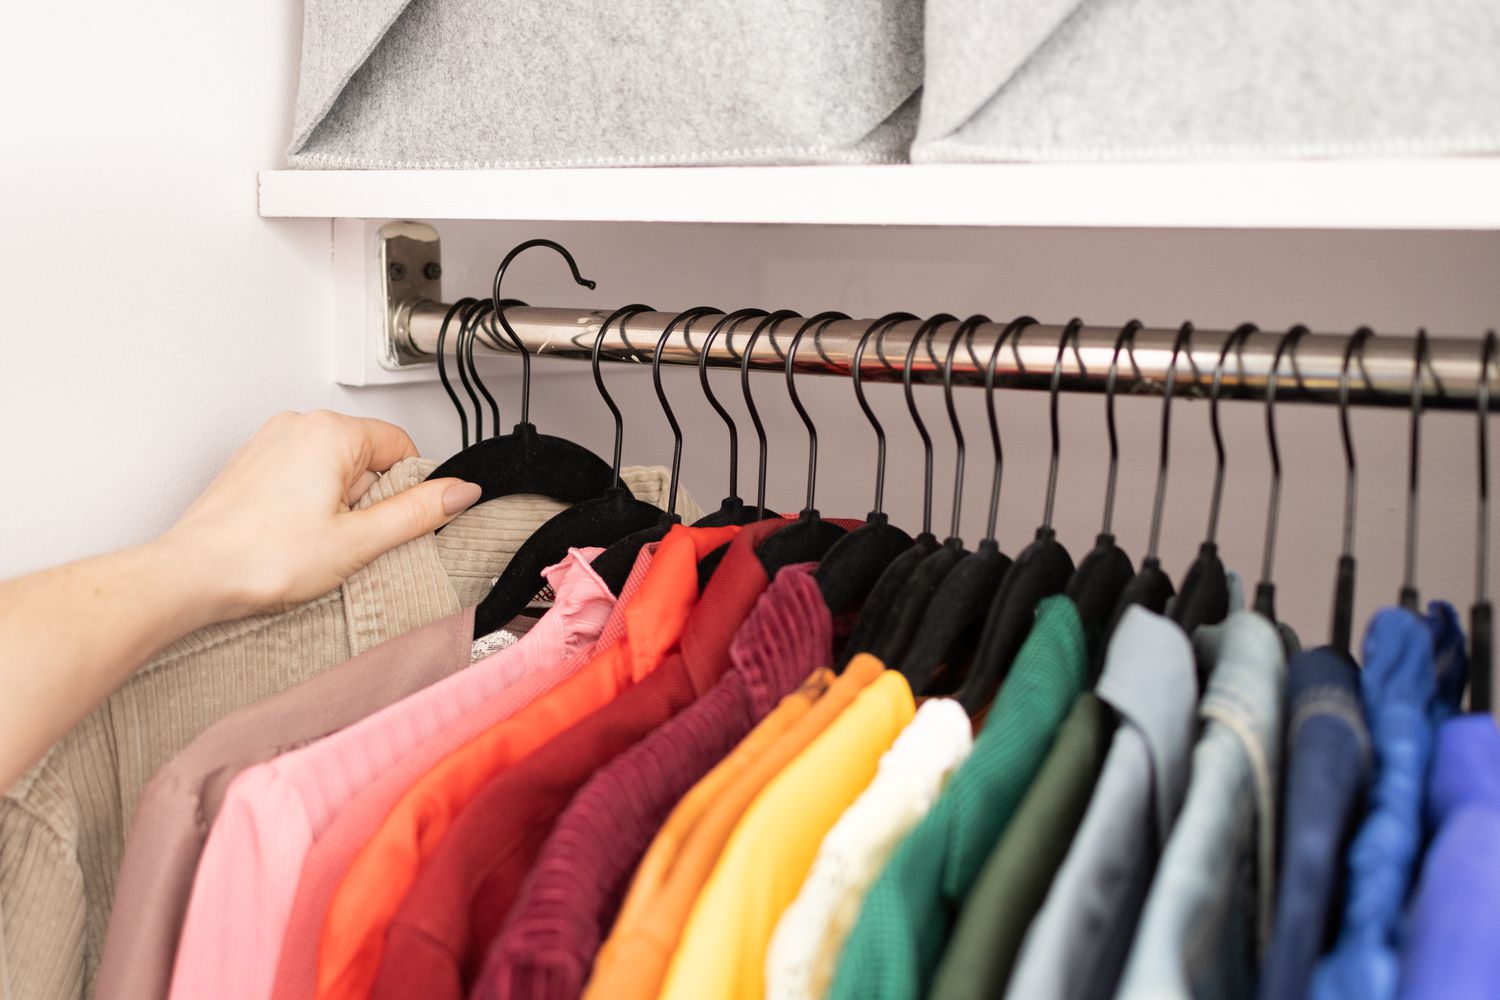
{"x":1150,"y":587}
{"x":732,"y":510}
{"x":903,"y":617}
{"x":950,"y":626}
{"x":807,"y":539}
{"x":887,"y":588}
{"x":1204,"y":597}
{"x":1096,"y":586}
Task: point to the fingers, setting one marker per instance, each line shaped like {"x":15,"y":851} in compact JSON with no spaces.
{"x":407,"y":515}
{"x":361,"y":486}
{"x":386,"y":443}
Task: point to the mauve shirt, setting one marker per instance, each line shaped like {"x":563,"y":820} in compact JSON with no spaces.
{"x":460,"y":899}
{"x":333,"y":852}
{"x":242,"y":896}
{"x":571,"y":896}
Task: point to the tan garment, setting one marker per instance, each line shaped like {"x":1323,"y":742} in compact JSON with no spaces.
{"x":63,"y":825}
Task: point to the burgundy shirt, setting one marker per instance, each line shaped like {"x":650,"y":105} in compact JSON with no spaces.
{"x":569,"y":900}
{"x":437,"y":942}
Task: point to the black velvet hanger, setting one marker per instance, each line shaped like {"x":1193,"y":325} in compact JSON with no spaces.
{"x":809,"y":537}
{"x":710,"y":562}
{"x":614,"y":564}
{"x":1102,"y":574}
{"x":849,"y":571}
{"x":950,"y":624}
{"x":1041,"y":570}
{"x":1265,"y":590}
{"x":1342,"y":626}
{"x":732,"y":510}
{"x":1420,"y":357}
{"x":904,"y":581}
{"x":1151,"y":588}
{"x":1203,"y":598}
{"x":599,"y":521}
{"x":525,"y":461}
{"x":1481,"y":614}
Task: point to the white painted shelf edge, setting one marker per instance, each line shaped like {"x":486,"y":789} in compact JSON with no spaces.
{"x":1459,"y":193}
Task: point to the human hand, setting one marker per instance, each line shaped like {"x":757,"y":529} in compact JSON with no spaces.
{"x":275,"y":528}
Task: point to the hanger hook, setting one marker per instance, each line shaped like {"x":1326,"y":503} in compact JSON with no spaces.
{"x":621,"y":315}
{"x":1421,"y":355}
{"x":1184,"y":339}
{"x":468,"y":372}
{"x":500,"y":304}
{"x":881,"y":325}
{"x":1482,"y":528}
{"x":821,"y":320}
{"x":733,"y":321}
{"x":1012,"y":329}
{"x":686,"y":316}
{"x":1233,"y":343}
{"x":1265,"y":590}
{"x":965,"y":332}
{"x":1070,"y":333}
{"x":442,"y":339}
{"x":770,"y":322}
{"x":479,"y":318}
{"x":1126,"y":337}
{"x":1355,"y":346}
{"x":925,"y":330}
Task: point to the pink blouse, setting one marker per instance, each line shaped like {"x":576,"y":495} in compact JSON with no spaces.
{"x":274,"y":813}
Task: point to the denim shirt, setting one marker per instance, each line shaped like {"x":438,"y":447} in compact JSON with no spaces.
{"x":1414,"y":669}
{"x":1078,"y":941}
{"x":1207,"y":915}
{"x":1327,"y":776}
{"x":1448,"y":947}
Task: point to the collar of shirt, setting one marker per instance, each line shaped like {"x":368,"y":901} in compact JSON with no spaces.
{"x":1149,"y":679}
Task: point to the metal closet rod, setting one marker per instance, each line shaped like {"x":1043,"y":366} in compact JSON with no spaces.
{"x":1026,"y":360}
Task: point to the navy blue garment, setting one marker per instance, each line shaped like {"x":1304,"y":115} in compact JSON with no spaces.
{"x":1414,"y":669}
{"x":1449,"y":945}
{"x":1327,"y":774}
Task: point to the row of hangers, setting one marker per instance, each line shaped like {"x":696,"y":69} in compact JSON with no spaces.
{"x":949,"y":618}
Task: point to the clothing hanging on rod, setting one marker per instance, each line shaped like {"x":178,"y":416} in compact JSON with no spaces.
{"x":661,"y":788}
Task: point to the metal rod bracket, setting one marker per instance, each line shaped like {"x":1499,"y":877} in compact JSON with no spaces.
{"x":410,"y":273}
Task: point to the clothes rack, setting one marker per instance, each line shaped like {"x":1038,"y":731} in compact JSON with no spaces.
{"x":1026,"y":361}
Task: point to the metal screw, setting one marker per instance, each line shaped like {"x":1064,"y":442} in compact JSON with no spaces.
{"x":432,"y":270}
{"x":397,"y":271}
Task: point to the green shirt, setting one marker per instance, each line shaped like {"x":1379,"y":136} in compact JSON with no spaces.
{"x":1014,"y":882}
{"x":907,"y":915}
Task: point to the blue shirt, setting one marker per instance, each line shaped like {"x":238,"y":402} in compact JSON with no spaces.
{"x":1409,"y":661}
{"x":1449,"y":943}
{"x":1328,"y":769}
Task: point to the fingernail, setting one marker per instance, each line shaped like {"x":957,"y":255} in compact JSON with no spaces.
{"x":460,"y":497}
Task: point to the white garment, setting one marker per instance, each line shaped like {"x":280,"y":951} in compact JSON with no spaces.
{"x":804,"y":949}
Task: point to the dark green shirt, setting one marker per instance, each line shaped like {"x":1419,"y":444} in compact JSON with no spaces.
{"x":898,"y":938}
{"x":1014,"y":882}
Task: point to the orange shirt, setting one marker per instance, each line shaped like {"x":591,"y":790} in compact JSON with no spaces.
{"x":632,"y":964}
{"x":353,"y":938}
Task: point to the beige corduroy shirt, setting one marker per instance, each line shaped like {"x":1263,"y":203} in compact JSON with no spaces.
{"x":63,"y":825}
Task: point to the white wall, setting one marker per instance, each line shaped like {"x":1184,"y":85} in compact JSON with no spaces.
{"x":154,"y":320}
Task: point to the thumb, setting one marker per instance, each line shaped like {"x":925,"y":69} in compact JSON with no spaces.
{"x":409,"y":514}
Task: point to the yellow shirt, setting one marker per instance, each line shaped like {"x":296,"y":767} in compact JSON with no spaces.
{"x":722,"y":953}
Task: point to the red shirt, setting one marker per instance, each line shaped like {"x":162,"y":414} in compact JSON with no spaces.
{"x":460,"y":900}
{"x":570,"y":898}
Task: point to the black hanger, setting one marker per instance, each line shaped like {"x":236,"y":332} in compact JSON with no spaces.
{"x":614,"y":564}
{"x":600,"y":521}
{"x":1342,"y":628}
{"x":808,"y":538}
{"x":524,"y":461}
{"x":1101,"y":576}
{"x":710,"y":562}
{"x":1481,"y":615}
{"x":1041,"y":570}
{"x":1265,"y":590}
{"x":1420,"y":357}
{"x":732,"y":510}
{"x":899,"y":577}
{"x":851,"y":567}
{"x":953,"y":618}
{"x":1203,"y":598}
{"x":1151,"y":587}
{"x":466,"y":306}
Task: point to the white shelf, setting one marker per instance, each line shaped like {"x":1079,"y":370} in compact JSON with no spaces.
{"x":1438,"y":194}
